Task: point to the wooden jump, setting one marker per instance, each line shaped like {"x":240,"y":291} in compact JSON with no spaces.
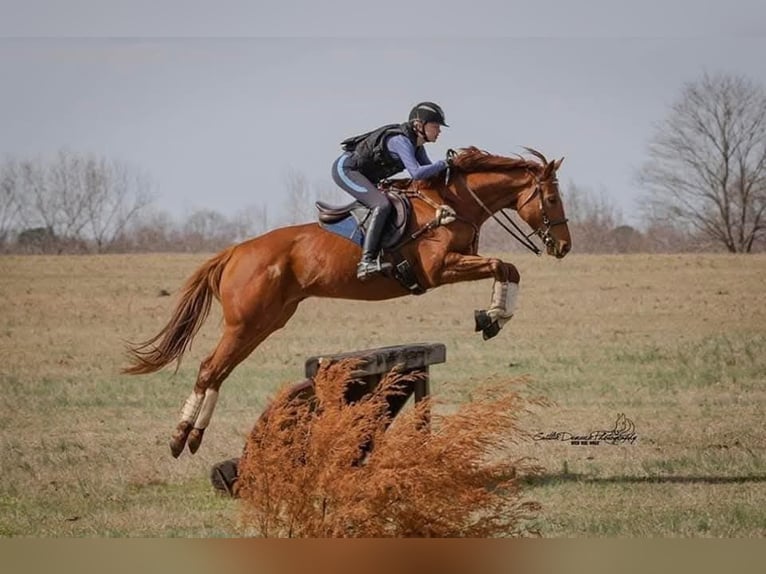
{"x":374,"y":364}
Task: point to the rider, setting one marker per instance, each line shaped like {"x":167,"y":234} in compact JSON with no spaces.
{"x":379,"y":154}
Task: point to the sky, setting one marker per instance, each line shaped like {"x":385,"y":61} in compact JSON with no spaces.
{"x":216,"y":104}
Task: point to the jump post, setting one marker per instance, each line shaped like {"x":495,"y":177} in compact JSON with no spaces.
{"x":377,"y":363}
{"x":373,"y":365}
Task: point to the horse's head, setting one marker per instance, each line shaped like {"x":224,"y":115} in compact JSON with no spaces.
{"x":540,"y":206}
{"x":529,"y":187}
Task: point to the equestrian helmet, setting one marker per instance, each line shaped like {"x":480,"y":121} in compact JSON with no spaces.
{"x":428,"y":112}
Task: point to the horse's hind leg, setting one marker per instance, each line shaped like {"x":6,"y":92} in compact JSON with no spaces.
{"x":230,"y":351}
{"x":235,"y":345}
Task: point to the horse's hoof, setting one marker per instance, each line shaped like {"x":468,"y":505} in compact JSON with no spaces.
{"x":482,"y":319}
{"x":178,"y":442}
{"x":491,"y":331}
{"x":177,"y":446}
{"x":195,"y":439}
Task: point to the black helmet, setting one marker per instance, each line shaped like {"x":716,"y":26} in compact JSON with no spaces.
{"x":428,"y":112}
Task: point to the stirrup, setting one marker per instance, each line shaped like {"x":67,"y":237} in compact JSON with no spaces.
{"x":366,"y":268}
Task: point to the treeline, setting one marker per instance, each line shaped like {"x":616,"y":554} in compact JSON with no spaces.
{"x":82,"y":203}
{"x":87,"y":204}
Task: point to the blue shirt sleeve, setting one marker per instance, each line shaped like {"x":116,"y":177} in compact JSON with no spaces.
{"x":418,"y":167}
{"x":422,"y":156}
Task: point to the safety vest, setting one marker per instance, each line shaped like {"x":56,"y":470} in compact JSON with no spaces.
{"x":370,"y":155}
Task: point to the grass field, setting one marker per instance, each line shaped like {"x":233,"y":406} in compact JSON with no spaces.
{"x":677,"y":343}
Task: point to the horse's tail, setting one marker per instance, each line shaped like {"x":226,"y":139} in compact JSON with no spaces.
{"x":176,"y":336}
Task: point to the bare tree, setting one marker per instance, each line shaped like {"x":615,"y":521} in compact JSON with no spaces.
{"x":329,"y":192}
{"x":249,"y":222}
{"x":78,"y":201}
{"x":152,"y":231}
{"x":707,"y":162}
{"x":10,"y":201}
{"x":206,"y":230}
{"x":592,"y":219}
{"x":38,"y":205}
{"x":299,"y":200}
{"x":67,"y":192}
{"x":113,"y":196}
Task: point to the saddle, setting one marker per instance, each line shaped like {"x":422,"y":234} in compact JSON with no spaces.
{"x":396,"y":225}
{"x":350,"y":221}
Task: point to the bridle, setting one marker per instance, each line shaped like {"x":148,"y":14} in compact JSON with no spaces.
{"x":544,"y":232}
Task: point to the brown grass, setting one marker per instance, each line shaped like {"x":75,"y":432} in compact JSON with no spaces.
{"x":676,"y":342}
{"x":305,"y":473}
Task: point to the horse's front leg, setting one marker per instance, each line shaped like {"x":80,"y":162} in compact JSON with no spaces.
{"x":501,"y":307}
{"x":505,"y":289}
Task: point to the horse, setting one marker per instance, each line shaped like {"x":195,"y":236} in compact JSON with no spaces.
{"x":260,"y":282}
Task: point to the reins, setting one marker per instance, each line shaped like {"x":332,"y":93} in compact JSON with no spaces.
{"x":521,"y":237}
{"x":445,"y":214}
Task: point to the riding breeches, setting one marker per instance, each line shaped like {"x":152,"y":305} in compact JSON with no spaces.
{"x":359,"y":187}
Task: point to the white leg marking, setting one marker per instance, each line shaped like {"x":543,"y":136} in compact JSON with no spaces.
{"x":208,"y":406}
{"x":191,"y":408}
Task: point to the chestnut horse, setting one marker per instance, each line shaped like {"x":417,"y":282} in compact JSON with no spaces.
{"x":260,"y":282}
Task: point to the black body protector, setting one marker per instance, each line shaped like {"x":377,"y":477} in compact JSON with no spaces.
{"x":370,"y":155}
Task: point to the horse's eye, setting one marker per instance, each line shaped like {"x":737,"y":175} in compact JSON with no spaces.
{"x":552,"y":199}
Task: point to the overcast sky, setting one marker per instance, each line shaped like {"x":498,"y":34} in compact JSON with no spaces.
{"x":217,"y":121}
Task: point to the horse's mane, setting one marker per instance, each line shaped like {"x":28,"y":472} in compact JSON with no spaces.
{"x":472,"y":159}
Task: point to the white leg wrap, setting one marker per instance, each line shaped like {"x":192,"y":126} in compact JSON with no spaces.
{"x":191,"y":408}
{"x":503,"y":302}
{"x":208,"y":406}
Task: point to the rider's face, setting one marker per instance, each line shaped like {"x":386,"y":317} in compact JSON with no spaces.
{"x":432,"y":131}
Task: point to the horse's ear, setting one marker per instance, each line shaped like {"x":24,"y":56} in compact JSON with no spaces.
{"x":557,"y":164}
{"x":549,"y":169}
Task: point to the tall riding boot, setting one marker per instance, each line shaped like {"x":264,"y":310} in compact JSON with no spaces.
{"x":370,"y":263}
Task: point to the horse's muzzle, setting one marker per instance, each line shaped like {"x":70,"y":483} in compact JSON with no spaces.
{"x":558,"y":248}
